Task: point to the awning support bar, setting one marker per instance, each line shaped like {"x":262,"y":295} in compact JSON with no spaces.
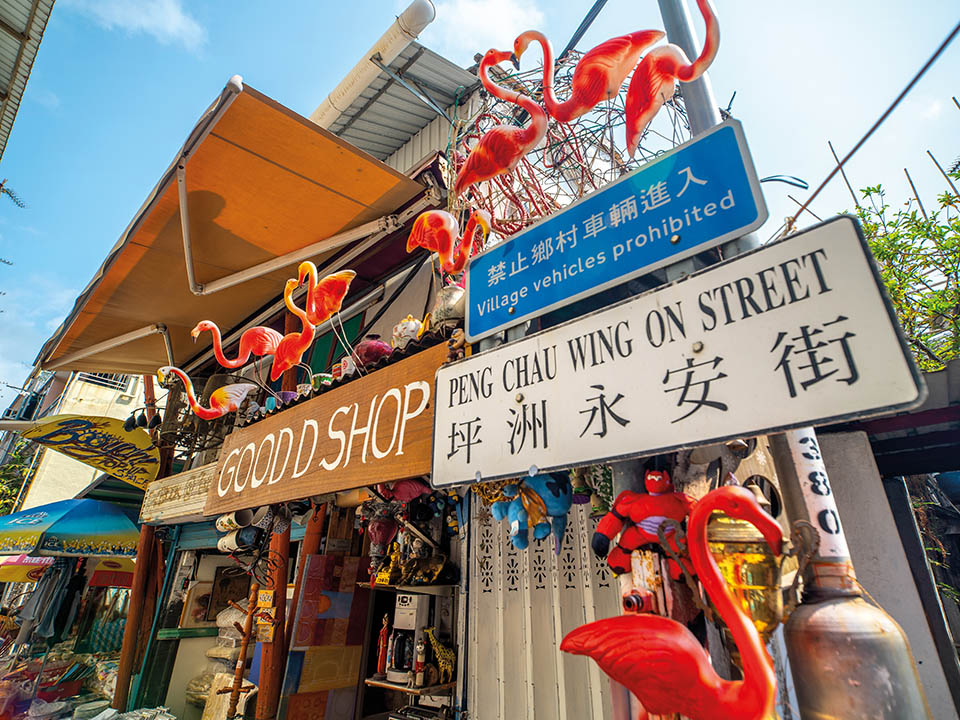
{"x":423,"y":97}
{"x":129,"y":337}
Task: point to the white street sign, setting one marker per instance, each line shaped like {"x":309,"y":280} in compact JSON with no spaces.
{"x":796,"y":333}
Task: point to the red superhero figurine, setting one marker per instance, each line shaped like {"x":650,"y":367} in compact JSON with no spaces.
{"x":639,"y":515}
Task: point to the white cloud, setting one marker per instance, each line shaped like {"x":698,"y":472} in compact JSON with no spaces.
{"x":166,"y":20}
{"x":48,"y":99}
{"x":932,"y":111}
{"x":466,"y":27}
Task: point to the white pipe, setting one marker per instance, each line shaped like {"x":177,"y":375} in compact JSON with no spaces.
{"x":394,"y":41}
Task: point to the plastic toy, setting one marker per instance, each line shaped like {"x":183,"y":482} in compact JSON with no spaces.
{"x":541,"y":502}
{"x":325,"y":297}
{"x":501,"y":148}
{"x":446,"y":658}
{"x":639,"y":516}
{"x":258,"y":341}
{"x":295,"y":344}
{"x":223,"y":400}
{"x":438,"y":231}
{"x":662,"y":663}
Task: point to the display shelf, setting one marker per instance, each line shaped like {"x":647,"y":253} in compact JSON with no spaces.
{"x":413,"y":589}
{"x":432,"y":690}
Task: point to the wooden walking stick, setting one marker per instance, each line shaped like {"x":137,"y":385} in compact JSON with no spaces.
{"x":245,"y":631}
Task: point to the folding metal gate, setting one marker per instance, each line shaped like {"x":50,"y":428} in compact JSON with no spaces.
{"x":521,"y":603}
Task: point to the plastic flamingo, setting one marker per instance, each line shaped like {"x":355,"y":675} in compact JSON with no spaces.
{"x":501,"y":148}
{"x":256,"y":341}
{"x":325,"y":297}
{"x":439,"y":231}
{"x":660,"y":661}
{"x":655,"y":80}
{"x":293,"y":345}
{"x":226,"y":399}
{"x":597,"y":77}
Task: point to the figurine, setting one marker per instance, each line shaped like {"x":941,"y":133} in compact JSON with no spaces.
{"x":422,"y":569}
{"x":420,"y":663}
{"x":541,"y":502}
{"x":446,"y":658}
{"x":449,"y":308}
{"x":438,"y":231}
{"x":639,"y":516}
{"x":324,"y":297}
{"x":403,"y":490}
{"x":456,"y":345}
{"x":382,"y":528}
{"x":382,"y":643}
{"x":390,"y":573}
{"x":223,"y":400}
{"x":662,"y":663}
{"x":406,"y":330}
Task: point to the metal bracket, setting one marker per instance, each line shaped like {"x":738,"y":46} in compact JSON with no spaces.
{"x":158,"y":328}
{"x":421,"y":94}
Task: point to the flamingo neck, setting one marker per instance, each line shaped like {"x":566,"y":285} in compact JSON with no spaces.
{"x":301,"y":314}
{"x":758,"y":677}
{"x":549,"y":96}
{"x":465,"y":247}
{"x":218,"y":348}
{"x":688,"y":73}
{"x":311,"y":301}
{"x":195,"y":405}
{"x":537,"y":128}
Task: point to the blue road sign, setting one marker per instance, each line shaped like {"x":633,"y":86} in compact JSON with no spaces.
{"x":699,"y":195}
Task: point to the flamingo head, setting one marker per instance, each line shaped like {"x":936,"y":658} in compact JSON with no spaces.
{"x":483,"y":220}
{"x":520,"y":46}
{"x":202,"y":326}
{"x":740,"y":503}
{"x":163,"y":373}
{"x":290,"y":287}
{"x":495,"y":57}
{"x":305,"y":270}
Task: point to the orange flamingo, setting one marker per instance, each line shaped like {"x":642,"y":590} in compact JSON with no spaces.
{"x":257,"y":341}
{"x":501,"y":148}
{"x":438,"y":231}
{"x":293,"y":345}
{"x":655,"y":80}
{"x":660,"y":661}
{"x":325,"y":297}
{"x":226,"y":399}
{"x":597,"y":77}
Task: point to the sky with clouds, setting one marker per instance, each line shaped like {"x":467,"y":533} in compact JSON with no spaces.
{"x":118,"y":84}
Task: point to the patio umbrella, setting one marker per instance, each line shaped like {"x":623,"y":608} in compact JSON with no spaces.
{"x":22,"y":568}
{"x":70,"y":528}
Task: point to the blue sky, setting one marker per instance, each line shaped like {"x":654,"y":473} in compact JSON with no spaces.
{"x":118,"y":84}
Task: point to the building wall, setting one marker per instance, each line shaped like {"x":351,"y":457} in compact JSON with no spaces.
{"x":59,"y":477}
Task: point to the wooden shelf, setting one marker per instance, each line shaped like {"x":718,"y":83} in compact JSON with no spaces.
{"x":432,"y":690}
{"x":414,"y":589}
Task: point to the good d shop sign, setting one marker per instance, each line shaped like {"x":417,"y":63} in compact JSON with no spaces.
{"x":375,"y":429}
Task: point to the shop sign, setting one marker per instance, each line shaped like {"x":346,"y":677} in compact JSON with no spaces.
{"x":373,"y":429}
{"x":796,"y":333}
{"x":100,"y":442}
{"x":178,"y":498}
{"x":697,"y":196}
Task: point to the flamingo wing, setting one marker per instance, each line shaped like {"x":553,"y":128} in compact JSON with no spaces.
{"x":656,"y":658}
{"x":260,"y":341}
{"x":652,"y":85}
{"x":433,"y":230}
{"x":498,"y":152}
{"x":229,"y":397}
{"x":602,"y":70}
{"x":330,"y":293}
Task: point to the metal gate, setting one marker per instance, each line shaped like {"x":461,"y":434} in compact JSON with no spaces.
{"x":521,"y":604}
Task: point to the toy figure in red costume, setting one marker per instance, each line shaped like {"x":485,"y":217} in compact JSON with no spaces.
{"x":639,"y":516}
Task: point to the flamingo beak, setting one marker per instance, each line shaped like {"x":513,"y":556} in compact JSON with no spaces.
{"x":515,"y":59}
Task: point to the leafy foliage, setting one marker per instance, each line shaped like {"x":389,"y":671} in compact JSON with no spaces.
{"x":919,"y":260}
{"x":13,"y":473}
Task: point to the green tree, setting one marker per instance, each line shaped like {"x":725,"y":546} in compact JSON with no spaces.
{"x":919,"y":260}
{"x":13,"y":473}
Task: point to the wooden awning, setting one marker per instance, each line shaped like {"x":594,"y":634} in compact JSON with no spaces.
{"x":264,"y":188}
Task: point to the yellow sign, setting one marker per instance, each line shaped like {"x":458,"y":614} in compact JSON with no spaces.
{"x":265,"y":598}
{"x":102,"y":443}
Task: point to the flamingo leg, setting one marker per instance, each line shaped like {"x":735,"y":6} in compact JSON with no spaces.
{"x":343,"y":339}
{"x":309,"y":371}
{"x":258,"y":371}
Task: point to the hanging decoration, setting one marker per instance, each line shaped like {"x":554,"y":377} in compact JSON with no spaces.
{"x":540,"y":502}
{"x":223,"y":400}
{"x":662,"y":663}
{"x":593,"y":484}
{"x":502,"y":147}
{"x":638,"y":517}
{"x":438,"y":231}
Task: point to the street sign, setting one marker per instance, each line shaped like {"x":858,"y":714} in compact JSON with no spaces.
{"x":697,"y":196}
{"x":796,"y":333}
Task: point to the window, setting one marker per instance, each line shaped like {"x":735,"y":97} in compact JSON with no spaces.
{"x":108,"y":380}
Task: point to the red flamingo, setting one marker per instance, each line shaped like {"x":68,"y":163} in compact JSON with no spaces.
{"x":325,"y":297}
{"x":597,"y":77}
{"x":223,"y":400}
{"x":258,"y":341}
{"x":655,"y":80}
{"x":295,"y":344}
{"x":660,"y":661}
{"x":439,"y":231}
{"x":500,"y":149}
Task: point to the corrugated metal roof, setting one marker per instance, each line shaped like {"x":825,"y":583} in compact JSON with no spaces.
{"x":22,"y":23}
{"x":387,"y":114}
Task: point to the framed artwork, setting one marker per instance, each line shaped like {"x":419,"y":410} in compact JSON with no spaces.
{"x":228,"y":584}
{"x":196,"y":603}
